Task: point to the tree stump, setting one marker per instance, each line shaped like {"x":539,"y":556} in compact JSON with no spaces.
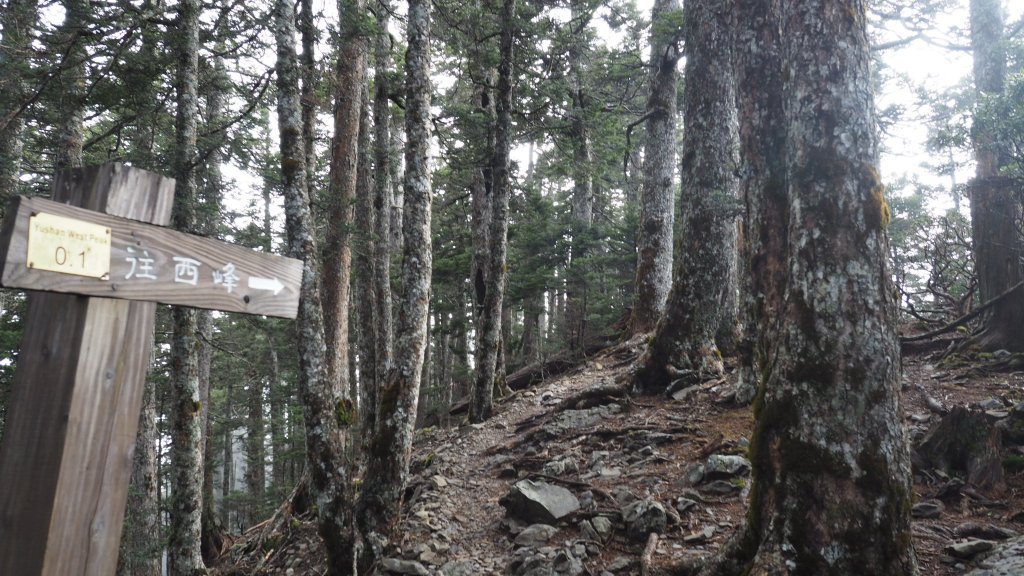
{"x":965,"y":441}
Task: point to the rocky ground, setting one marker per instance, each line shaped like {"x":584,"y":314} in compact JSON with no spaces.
{"x":572,"y":477}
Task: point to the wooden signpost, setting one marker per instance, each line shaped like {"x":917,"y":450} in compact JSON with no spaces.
{"x":102,"y":255}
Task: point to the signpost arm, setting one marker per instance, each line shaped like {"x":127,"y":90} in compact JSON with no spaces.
{"x":65,"y":458}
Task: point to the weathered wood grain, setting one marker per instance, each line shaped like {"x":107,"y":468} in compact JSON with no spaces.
{"x":65,"y":459}
{"x":143,"y":266}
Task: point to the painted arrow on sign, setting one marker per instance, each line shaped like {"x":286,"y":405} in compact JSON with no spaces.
{"x":271,"y":284}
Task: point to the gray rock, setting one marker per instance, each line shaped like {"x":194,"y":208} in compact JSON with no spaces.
{"x":721,"y":487}
{"x":396,"y":566}
{"x":983,"y":531}
{"x":536,"y":535}
{"x":1005,"y":559}
{"x":642,"y":518}
{"x":567,"y":564}
{"x":603,"y":526}
{"x":620,"y":563}
{"x":927,"y":509}
{"x":684,"y":504}
{"x":693,"y":475}
{"x":532,"y":565}
{"x":623,"y":496}
{"x":539,"y":502}
{"x":586,"y":528}
{"x":684,"y":393}
{"x":991,"y":404}
{"x":701,"y":536}
{"x":557,"y":467}
{"x":722,"y":466}
{"x":968,"y":549}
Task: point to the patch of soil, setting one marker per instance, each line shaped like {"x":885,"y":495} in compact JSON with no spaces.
{"x":647,"y":446}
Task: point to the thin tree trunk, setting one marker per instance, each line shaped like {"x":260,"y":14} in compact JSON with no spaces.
{"x":350,"y":75}
{"x":71,"y":96}
{"x":494,"y":292}
{"x":141,"y":540}
{"x":380,"y":218}
{"x":328,"y":415}
{"x":255,"y":452}
{"x":184,"y":548}
{"x":657,"y":212}
{"x":387,"y":465}
{"x":684,"y":346}
{"x":227,"y":479}
{"x":367,"y":323}
{"x":309,"y":85}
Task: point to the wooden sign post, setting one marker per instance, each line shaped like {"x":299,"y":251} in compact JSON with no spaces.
{"x":66,"y":454}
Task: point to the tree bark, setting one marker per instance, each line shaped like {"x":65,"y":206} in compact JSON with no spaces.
{"x":389,"y":451}
{"x":328,"y":415}
{"x":380,"y":237}
{"x":487,"y":374}
{"x":141,"y":541}
{"x":657,"y":212}
{"x":350,"y":75}
{"x":684,"y":346}
{"x":184,"y":545}
{"x":995,"y":207}
{"x":831,"y":489}
{"x":582,"y":200}
{"x":71,"y":95}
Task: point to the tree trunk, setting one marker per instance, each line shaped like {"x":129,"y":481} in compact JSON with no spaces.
{"x":831,"y":489}
{"x":684,"y":346}
{"x":184,"y":545}
{"x":380,"y":227}
{"x":494,"y":291}
{"x":17,"y":20}
{"x":995,"y":207}
{"x":309,"y":82}
{"x":255,"y":453}
{"x":582,"y":201}
{"x":350,"y":75}
{"x":71,"y":95}
{"x":278,"y":406}
{"x":389,"y":451}
{"x":328,"y":415}
{"x":141,"y":540}
{"x":657,"y":213}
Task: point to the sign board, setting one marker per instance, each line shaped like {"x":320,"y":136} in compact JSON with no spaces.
{"x":60,"y":248}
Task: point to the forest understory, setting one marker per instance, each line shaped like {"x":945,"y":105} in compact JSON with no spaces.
{"x":637,"y":464}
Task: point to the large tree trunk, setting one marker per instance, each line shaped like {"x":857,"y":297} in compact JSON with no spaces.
{"x":487,"y":352}
{"x":328,"y":416}
{"x":831,"y":487}
{"x":184,"y":545}
{"x":389,"y":451}
{"x":684,"y":340}
{"x":995,"y":207}
{"x":657,"y":213}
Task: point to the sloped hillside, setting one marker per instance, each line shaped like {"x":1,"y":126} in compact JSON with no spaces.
{"x":573,"y":477}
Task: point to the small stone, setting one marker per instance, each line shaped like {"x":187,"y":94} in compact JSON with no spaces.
{"x":920,"y":417}
{"x":644,"y":517}
{"x":602,"y":525}
{"x":693,"y":475}
{"x":439,"y":481}
{"x":991,"y":404}
{"x":620,"y":563}
{"x":968,"y":549}
{"x":684,"y":504}
{"x":720,"y":487}
{"x":927,"y":509}
{"x":701,"y":536}
{"x":459,"y":568}
{"x":404,"y":567}
{"x":535,"y":535}
{"x":539,"y":502}
{"x":586,"y":529}
{"x":719,"y":466}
